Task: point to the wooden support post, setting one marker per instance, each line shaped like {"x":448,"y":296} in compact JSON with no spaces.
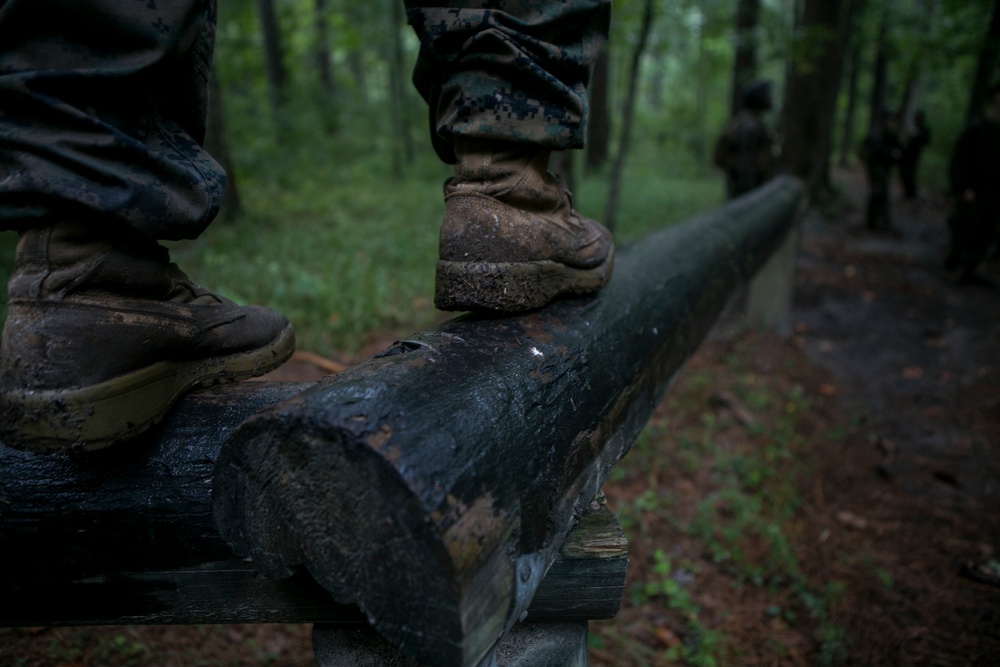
{"x":433,"y":485}
{"x":770,"y":301}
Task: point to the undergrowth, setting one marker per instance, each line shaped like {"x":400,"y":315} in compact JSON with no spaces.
{"x":710,"y":497}
{"x":329,"y":238}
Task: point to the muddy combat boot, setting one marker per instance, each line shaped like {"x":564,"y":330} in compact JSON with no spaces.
{"x":510,"y":239}
{"x":102,"y":337}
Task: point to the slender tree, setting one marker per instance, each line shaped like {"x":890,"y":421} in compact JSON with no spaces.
{"x":986,"y":66}
{"x":880,"y":74}
{"x":745,"y":58}
{"x":359,"y":16}
{"x":811,"y":91}
{"x":273,"y":55}
{"x":402,"y":153}
{"x":856,"y":41}
{"x":599,"y":125}
{"x":217,"y":145}
{"x":322,"y":48}
{"x":614,"y":190}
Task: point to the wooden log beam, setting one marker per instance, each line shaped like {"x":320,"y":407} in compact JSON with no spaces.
{"x":126,"y":536}
{"x":433,"y":485}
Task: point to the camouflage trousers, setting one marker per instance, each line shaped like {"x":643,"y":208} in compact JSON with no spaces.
{"x":102,"y":102}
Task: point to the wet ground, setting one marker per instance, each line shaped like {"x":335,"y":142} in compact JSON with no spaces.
{"x":920,"y":351}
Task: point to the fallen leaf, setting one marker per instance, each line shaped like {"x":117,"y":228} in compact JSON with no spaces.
{"x":852,"y":520}
{"x":827,"y":390}
{"x":667,"y":636}
{"x":913,"y":373}
{"x":726,"y":400}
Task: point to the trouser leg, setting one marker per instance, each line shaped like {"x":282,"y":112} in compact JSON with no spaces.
{"x":878,"y":201}
{"x":515,"y":74}
{"x":102,"y":107}
{"x":504,"y":87}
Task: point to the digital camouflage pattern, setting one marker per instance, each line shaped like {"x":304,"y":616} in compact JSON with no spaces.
{"x":102,"y":102}
{"x":515,"y":70}
{"x":102,"y":107}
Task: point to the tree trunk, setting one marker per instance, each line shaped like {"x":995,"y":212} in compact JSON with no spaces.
{"x":322,"y":49}
{"x":217,"y":145}
{"x":614,"y":190}
{"x":811,"y":92}
{"x":986,"y":66}
{"x":880,"y":81}
{"x":823,"y":184}
{"x":402,"y":142}
{"x":909,"y":100}
{"x":599,"y":124}
{"x":700,"y":137}
{"x":851,"y":103}
{"x":274,"y":67}
{"x":745,"y":60}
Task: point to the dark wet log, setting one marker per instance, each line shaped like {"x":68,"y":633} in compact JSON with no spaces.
{"x":125,"y":536}
{"x":433,"y":485}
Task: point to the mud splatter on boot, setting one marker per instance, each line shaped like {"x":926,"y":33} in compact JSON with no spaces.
{"x":510,"y":239}
{"x":102,"y":337}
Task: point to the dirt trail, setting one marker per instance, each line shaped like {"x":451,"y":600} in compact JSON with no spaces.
{"x":905,"y":504}
{"x":921,"y":352}
{"x":920,"y":356}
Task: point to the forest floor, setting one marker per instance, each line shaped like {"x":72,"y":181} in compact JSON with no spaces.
{"x":832,"y":498}
{"x":844,"y":507}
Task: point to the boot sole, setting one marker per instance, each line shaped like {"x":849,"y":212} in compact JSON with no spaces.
{"x":513,"y":287}
{"x":95,"y":417}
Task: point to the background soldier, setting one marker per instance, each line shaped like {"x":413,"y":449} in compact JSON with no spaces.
{"x":746,"y":148}
{"x":975,"y":183}
{"x":880,"y":151}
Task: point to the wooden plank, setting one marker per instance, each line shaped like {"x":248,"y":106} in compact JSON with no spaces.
{"x":433,"y":485}
{"x":587,"y":580}
{"x":770,"y":300}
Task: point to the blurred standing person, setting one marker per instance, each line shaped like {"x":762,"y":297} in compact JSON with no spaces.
{"x":918,"y":137}
{"x":746,"y":149}
{"x":881,"y":151}
{"x":974,"y":172}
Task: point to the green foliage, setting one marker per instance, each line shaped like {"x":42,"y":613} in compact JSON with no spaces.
{"x":332,"y":236}
{"x":338,"y":250}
